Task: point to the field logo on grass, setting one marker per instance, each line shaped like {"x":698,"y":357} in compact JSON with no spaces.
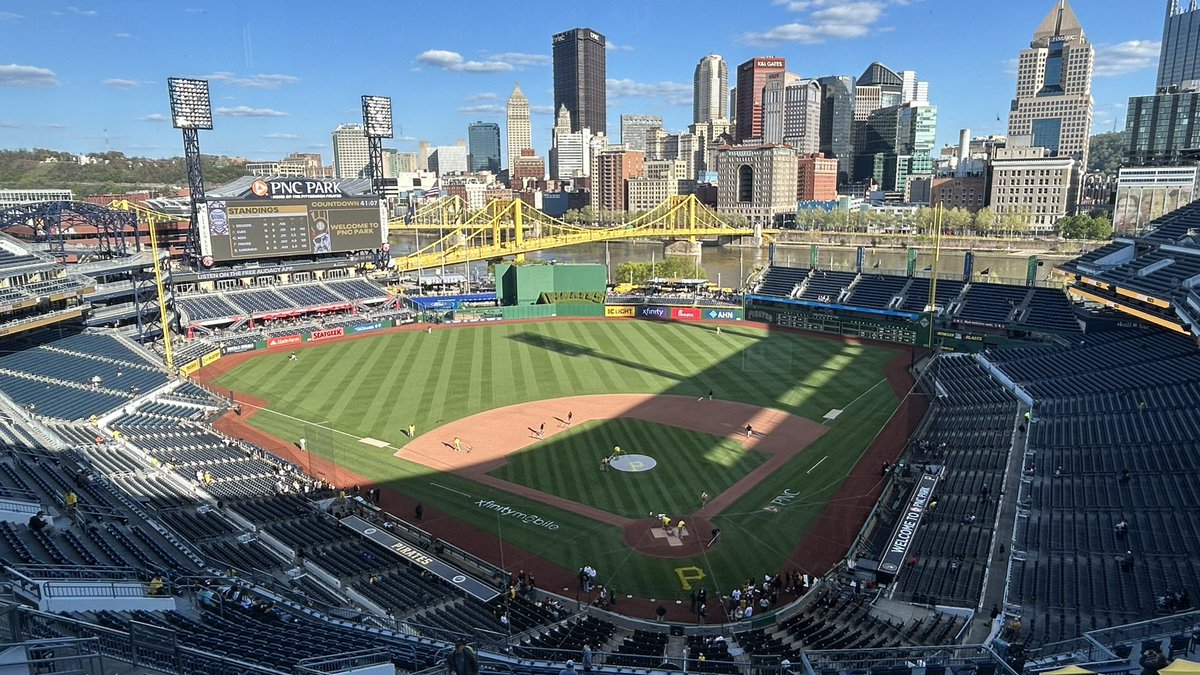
{"x":527,"y":518}
{"x":783,"y":499}
{"x":687,"y":575}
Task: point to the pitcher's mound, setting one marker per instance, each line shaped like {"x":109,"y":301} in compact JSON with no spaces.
{"x":633,"y":463}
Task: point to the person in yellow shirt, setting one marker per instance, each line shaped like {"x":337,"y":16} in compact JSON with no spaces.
{"x":666,"y":521}
{"x":155,"y":587}
{"x":71,"y":500}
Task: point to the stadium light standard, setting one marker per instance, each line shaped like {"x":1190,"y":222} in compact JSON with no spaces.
{"x":191,"y":110}
{"x":377,"y":125}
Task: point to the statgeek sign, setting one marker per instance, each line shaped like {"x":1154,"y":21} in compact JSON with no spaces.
{"x":284,"y":341}
{"x":906,"y":527}
{"x":468,"y":584}
{"x":328,"y":333}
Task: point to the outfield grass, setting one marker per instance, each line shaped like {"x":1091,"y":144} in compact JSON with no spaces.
{"x":688,"y":463}
{"x":377,"y":386}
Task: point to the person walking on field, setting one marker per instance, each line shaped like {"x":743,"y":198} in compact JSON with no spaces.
{"x":749,"y":431}
{"x":542,"y":430}
{"x":457,"y":444}
{"x":412,"y":430}
{"x":569,"y":416}
{"x":704,"y":498}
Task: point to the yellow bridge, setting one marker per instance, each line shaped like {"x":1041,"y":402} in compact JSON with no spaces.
{"x":513,"y":228}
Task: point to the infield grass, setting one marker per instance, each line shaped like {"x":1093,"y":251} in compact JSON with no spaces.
{"x":375,"y":387}
{"x":688,"y":463}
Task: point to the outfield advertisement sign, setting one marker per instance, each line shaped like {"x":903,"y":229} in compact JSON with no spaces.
{"x":368,"y":327}
{"x":284,"y":341}
{"x":189,"y":367}
{"x":328,"y":333}
{"x":620,"y":311}
{"x":463,"y":582}
{"x":210,"y":357}
{"x":665,"y":313}
{"x":906,"y":527}
{"x":239,"y":348}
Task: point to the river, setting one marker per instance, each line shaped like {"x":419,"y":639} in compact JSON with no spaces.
{"x":726,"y":264}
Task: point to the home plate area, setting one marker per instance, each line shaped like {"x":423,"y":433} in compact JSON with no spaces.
{"x":673,"y":535}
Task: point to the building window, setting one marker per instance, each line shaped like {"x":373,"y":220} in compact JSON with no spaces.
{"x":745,"y":184}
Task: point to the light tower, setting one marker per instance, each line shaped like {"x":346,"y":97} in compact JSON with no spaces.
{"x":191,"y":111}
{"x":377,"y":125}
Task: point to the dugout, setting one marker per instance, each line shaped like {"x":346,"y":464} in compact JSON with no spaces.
{"x":525,"y":284}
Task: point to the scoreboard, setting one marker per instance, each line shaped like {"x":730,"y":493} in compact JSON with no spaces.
{"x":247,"y":229}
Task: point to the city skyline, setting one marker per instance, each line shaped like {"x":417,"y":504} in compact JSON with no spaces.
{"x":274,"y":92}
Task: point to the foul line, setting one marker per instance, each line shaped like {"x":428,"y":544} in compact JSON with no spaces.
{"x":864,"y":394}
{"x":450,"y":489}
{"x":810,"y":470}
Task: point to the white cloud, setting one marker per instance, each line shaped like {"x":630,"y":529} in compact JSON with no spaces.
{"x":123,"y":36}
{"x":14,"y":75}
{"x":121,"y":83}
{"x":282,"y":136}
{"x":448,"y":60}
{"x":670,"y":93}
{"x":154,"y":117}
{"x":1010,"y":66}
{"x":1125,"y":57}
{"x":260,"y":81}
{"x":83,"y":12}
{"x":482,"y":96}
{"x":614,"y":47}
{"x":827,"y":19}
{"x":247,"y":111}
{"x":522,"y":59}
{"x":11,"y":16}
{"x":483,"y":109}
{"x":32,"y":125}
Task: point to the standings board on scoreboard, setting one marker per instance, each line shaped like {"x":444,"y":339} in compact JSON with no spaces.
{"x":271,"y":226}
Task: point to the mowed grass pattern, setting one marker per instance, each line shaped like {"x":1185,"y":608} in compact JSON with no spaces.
{"x":375,"y":386}
{"x":688,"y":463}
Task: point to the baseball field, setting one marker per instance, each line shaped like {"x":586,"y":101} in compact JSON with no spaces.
{"x":535,"y":407}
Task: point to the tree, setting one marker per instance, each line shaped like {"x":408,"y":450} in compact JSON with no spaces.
{"x":985,"y":220}
{"x":671,"y":267}
{"x":1105,"y":152}
{"x":1084,"y":227}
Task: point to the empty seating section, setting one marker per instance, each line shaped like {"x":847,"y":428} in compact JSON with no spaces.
{"x":970,"y":433}
{"x":1050,"y":309}
{"x":991,"y":303}
{"x":1111,"y":507}
{"x":260,"y":301}
{"x":916,"y":298}
{"x":824,"y":286}
{"x":207,"y":307}
{"x":311,"y":295}
{"x":357,"y":289}
{"x":876,"y":291}
{"x":52,"y":400}
{"x":781,"y":282}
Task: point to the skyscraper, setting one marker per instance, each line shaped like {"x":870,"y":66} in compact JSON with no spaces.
{"x":1179,"y":59}
{"x":751,"y":78}
{"x":520,"y":136}
{"x":802,"y":117}
{"x":579,"y":78}
{"x":837,"y":122}
{"x":634,"y":128}
{"x":350,"y":152}
{"x":710,"y":89}
{"x":484,"y":139}
{"x":1054,"y":87}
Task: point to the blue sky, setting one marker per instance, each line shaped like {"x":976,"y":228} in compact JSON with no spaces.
{"x":285,"y":74}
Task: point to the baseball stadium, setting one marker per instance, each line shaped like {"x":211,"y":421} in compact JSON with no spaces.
{"x":299,"y":426}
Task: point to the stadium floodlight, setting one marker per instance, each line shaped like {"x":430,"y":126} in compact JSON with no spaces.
{"x":191,"y":107}
{"x":377,"y":116}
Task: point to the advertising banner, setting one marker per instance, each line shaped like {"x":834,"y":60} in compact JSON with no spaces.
{"x":906,"y":527}
{"x":239,"y":348}
{"x":190,"y":367}
{"x":210,"y":357}
{"x":654,"y":312}
{"x":318,"y":335}
{"x":284,"y":341}
{"x":685,"y":313}
{"x":368,"y":327}
{"x":722,"y":314}
{"x":620,"y":311}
